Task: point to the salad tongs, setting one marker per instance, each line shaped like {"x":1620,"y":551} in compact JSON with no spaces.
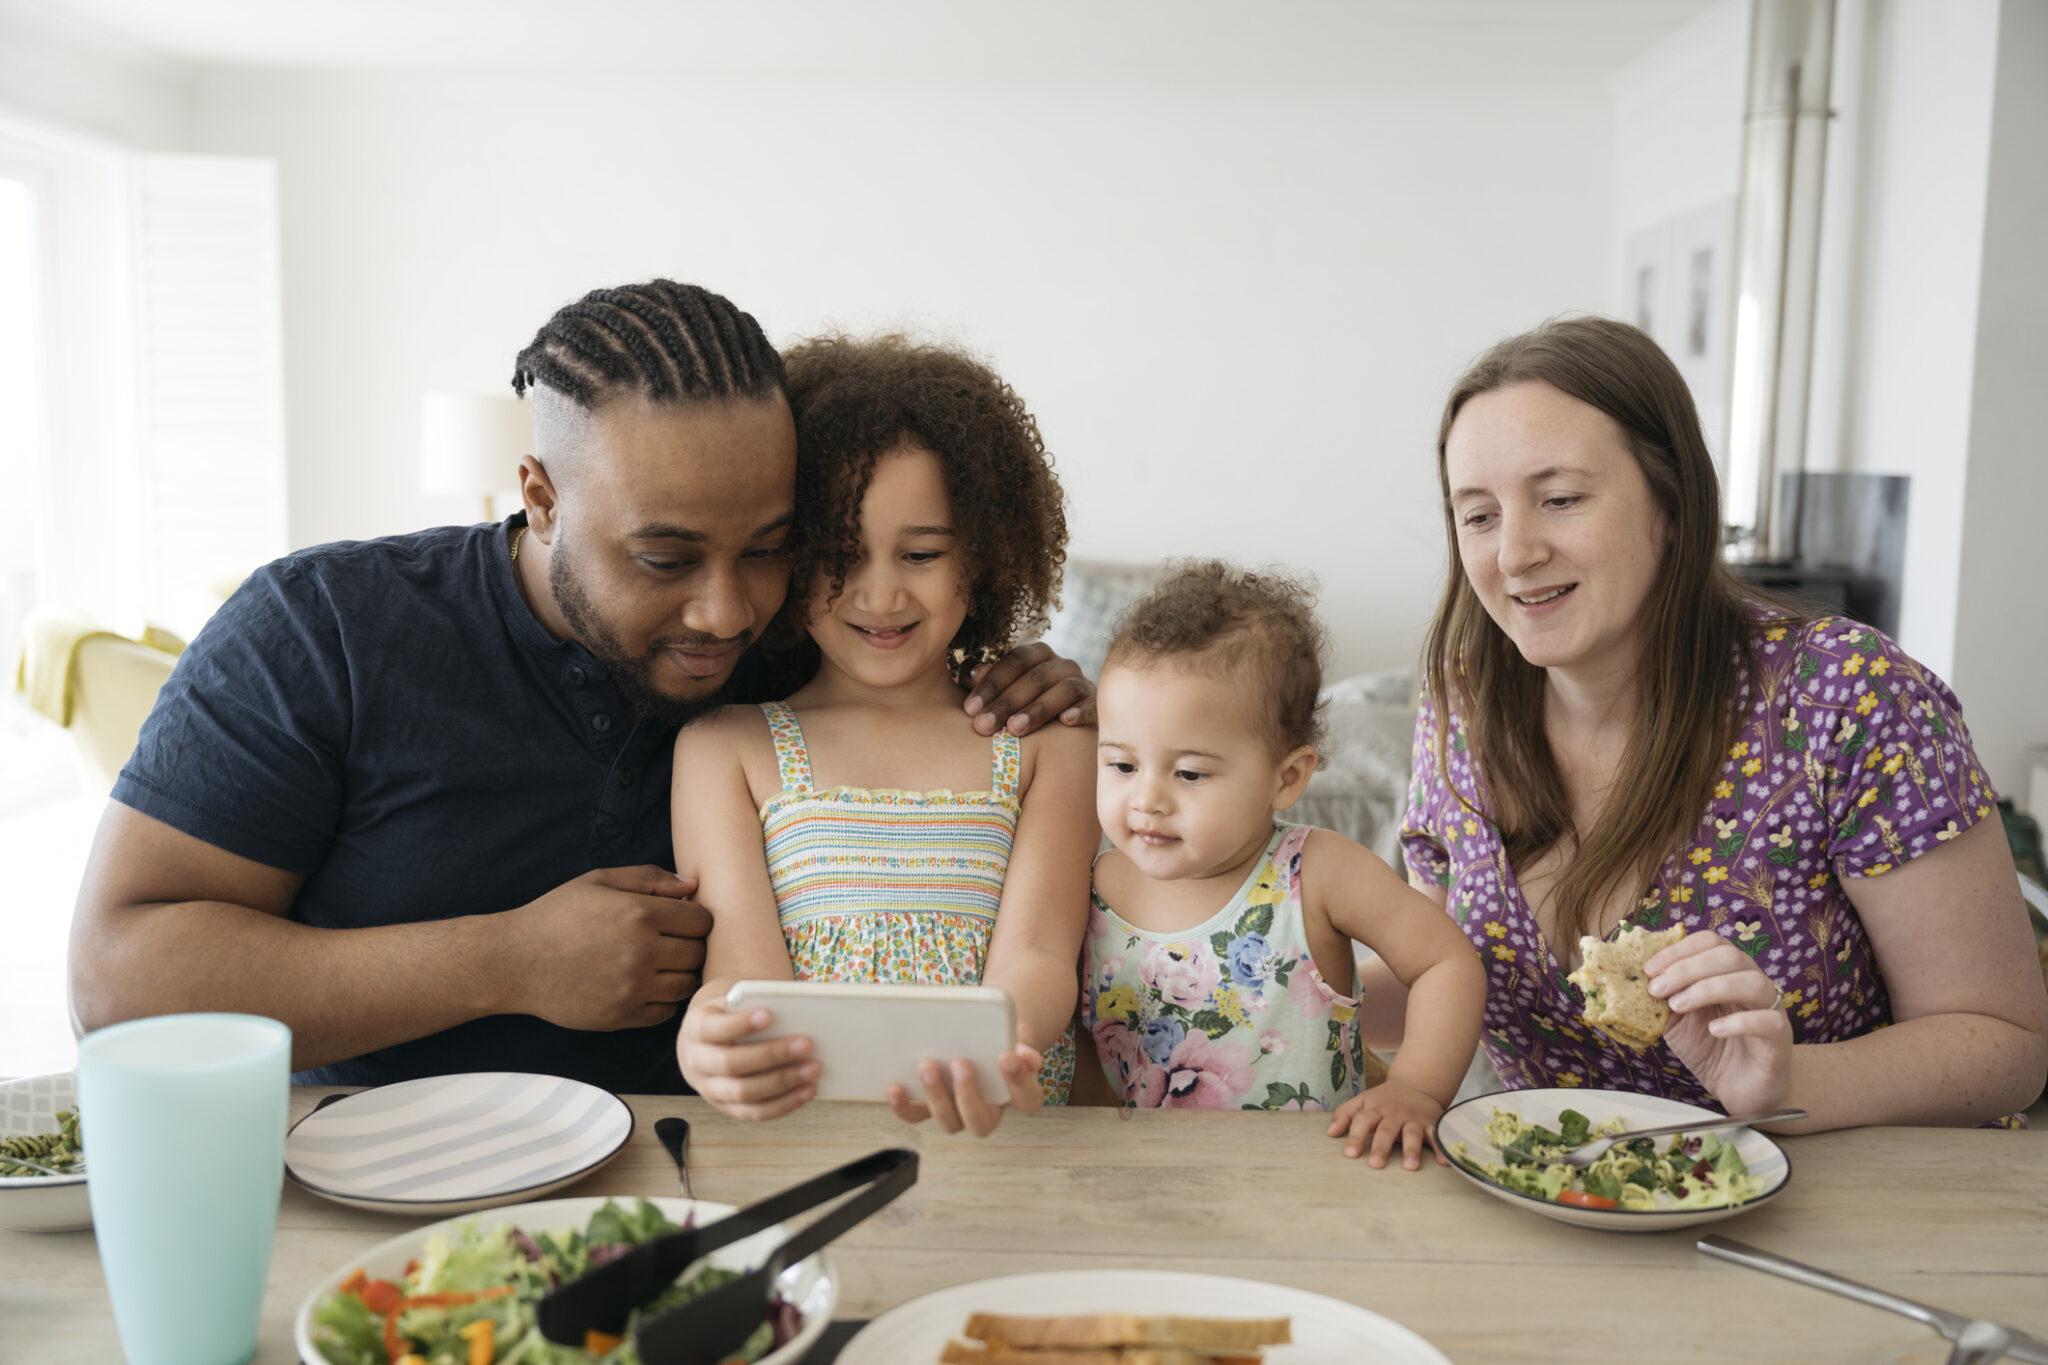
{"x":710,"y":1328}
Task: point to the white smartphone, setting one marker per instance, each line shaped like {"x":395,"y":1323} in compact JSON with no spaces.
{"x":867,"y":1038}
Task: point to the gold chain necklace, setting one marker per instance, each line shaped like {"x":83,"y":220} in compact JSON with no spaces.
{"x":517,"y":536}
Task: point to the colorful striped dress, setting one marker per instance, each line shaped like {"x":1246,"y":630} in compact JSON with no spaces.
{"x":893,"y":887}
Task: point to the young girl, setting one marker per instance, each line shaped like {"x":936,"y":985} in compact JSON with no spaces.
{"x":1218,"y":969}
{"x":862,"y":831}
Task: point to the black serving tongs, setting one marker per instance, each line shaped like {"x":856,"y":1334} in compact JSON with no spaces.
{"x":708,"y":1329}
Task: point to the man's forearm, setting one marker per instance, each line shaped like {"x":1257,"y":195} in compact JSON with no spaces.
{"x":342,"y":992}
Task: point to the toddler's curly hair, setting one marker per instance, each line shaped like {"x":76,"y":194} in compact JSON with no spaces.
{"x":1218,"y":618}
{"x":855,"y":400}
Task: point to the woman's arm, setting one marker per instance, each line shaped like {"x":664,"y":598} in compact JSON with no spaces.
{"x":1970,"y":1037}
{"x":718,"y":837}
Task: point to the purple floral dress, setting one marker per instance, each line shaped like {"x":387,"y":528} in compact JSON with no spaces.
{"x":1851,"y":760}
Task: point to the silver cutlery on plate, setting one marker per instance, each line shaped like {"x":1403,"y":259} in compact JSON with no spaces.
{"x":1971,"y":1340}
{"x":1594,"y":1148}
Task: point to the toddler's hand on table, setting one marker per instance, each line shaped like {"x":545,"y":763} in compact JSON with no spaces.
{"x":763,"y":1080}
{"x":953,"y":1098}
{"x":1389,"y":1114}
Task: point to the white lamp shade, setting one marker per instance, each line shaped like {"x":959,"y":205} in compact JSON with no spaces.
{"x":471,"y":444}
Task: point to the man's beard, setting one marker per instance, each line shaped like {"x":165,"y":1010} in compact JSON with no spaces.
{"x":634,"y":677}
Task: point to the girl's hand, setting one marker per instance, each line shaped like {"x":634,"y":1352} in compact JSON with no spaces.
{"x":1726,"y":1025}
{"x":953,"y":1096}
{"x":745,"y":1080}
{"x":1389,"y":1113}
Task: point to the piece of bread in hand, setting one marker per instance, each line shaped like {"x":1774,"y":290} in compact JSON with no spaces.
{"x":1618,"y":999}
{"x":1127,"y":1329}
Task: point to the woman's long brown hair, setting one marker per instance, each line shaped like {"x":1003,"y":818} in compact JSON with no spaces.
{"x":1696,"y":639}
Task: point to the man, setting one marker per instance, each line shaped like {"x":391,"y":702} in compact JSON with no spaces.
{"x":410,"y":795}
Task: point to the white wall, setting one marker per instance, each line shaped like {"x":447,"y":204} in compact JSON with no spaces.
{"x":62,"y":71}
{"x":2001,"y":660}
{"x":1235,"y":310}
{"x":1926,"y":130}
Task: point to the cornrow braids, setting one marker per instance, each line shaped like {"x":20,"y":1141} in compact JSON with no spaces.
{"x":672,"y":342}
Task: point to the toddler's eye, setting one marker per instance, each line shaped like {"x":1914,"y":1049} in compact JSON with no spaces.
{"x":1189,"y":775}
{"x":1118,"y":765}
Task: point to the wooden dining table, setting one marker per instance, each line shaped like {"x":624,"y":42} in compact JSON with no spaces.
{"x":1955,"y":1218}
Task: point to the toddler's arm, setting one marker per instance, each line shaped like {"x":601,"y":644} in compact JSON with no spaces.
{"x":1422,"y":948}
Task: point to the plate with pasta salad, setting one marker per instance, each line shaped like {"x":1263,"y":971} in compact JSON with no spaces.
{"x":1512,"y":1144}
{"x":39,"y":1122}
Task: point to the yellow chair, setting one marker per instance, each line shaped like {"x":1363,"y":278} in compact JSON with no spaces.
{"x":97,"y":684}
{"x":114,"y":683}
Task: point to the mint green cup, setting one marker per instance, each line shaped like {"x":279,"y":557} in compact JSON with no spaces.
{"x":183,"y":1118}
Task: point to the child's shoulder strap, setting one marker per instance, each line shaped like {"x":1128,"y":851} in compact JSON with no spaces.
{"x":1009,"y":766}
{"x":792,"y":759}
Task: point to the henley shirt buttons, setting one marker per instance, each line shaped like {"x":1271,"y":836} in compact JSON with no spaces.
{"x":600,"y":722}
{"x":575,"y":676}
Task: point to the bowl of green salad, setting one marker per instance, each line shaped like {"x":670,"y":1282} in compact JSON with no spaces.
{"x":1511,"y":1145}
{"x":39,"y":1123}
{"x":463,"y":1290}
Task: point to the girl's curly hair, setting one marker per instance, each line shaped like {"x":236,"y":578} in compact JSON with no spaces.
{"x":854,"y":401}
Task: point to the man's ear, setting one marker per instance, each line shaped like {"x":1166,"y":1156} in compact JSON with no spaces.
{"x":543,"y":502}
{"x":1295,"y":771}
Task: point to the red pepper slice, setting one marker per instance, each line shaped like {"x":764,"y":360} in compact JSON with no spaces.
{"x":381,"y":1297}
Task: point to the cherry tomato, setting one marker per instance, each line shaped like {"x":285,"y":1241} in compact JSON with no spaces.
{"x":1581,"y":1199}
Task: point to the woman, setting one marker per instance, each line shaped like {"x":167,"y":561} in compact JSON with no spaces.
{"x":1633,"y":737}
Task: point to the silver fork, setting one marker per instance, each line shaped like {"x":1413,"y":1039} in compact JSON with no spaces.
{"x":1970,"y":1340}
{"x":1589,"y":1153}
{"x":37,"y":1165}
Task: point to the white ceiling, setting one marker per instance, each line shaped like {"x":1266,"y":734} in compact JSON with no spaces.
{"x":1305,"y":41}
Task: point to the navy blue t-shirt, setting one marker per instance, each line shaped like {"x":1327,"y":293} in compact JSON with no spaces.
{"x":389,"y":719}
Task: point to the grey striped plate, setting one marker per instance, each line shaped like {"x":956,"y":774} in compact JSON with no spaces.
{"x":449,"y":1144}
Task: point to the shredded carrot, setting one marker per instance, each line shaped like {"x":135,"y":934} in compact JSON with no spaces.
{"x":453,"y":1300}
{"x":354,"y":1283}
{"x":481,"y":1336}
{"x":395,"y":1347}
{"x":600,"y":1343}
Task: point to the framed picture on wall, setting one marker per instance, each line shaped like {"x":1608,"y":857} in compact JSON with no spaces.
{"x":1679,"y":279}
{"x":1648,"y":275}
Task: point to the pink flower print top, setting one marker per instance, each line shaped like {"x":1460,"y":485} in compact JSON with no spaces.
{"x":1231,"y":1014}
{"x":1851,"y":760}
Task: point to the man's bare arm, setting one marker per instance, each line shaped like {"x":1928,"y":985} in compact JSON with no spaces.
{"x":167,"y":923}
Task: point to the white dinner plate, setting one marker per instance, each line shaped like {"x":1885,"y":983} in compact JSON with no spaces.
{"x":454,"y":1144}
{"x":811,"y":1284}
{"x":1466,"y":1123}
{"x":1326,"y":1331}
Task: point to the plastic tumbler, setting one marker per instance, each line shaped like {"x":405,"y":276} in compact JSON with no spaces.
{"x":182,"y":1118}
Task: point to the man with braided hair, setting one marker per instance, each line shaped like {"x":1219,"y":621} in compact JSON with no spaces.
{"x":410,"y":795}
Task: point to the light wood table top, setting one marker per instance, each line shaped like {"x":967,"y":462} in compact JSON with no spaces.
{"x":1956,"y":1218}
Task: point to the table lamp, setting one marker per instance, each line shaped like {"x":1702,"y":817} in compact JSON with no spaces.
{"x":471,"y":444}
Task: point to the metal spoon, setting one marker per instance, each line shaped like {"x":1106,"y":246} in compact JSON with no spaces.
{"x":675,"y":1135}
{"x":1591,"y":1152}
